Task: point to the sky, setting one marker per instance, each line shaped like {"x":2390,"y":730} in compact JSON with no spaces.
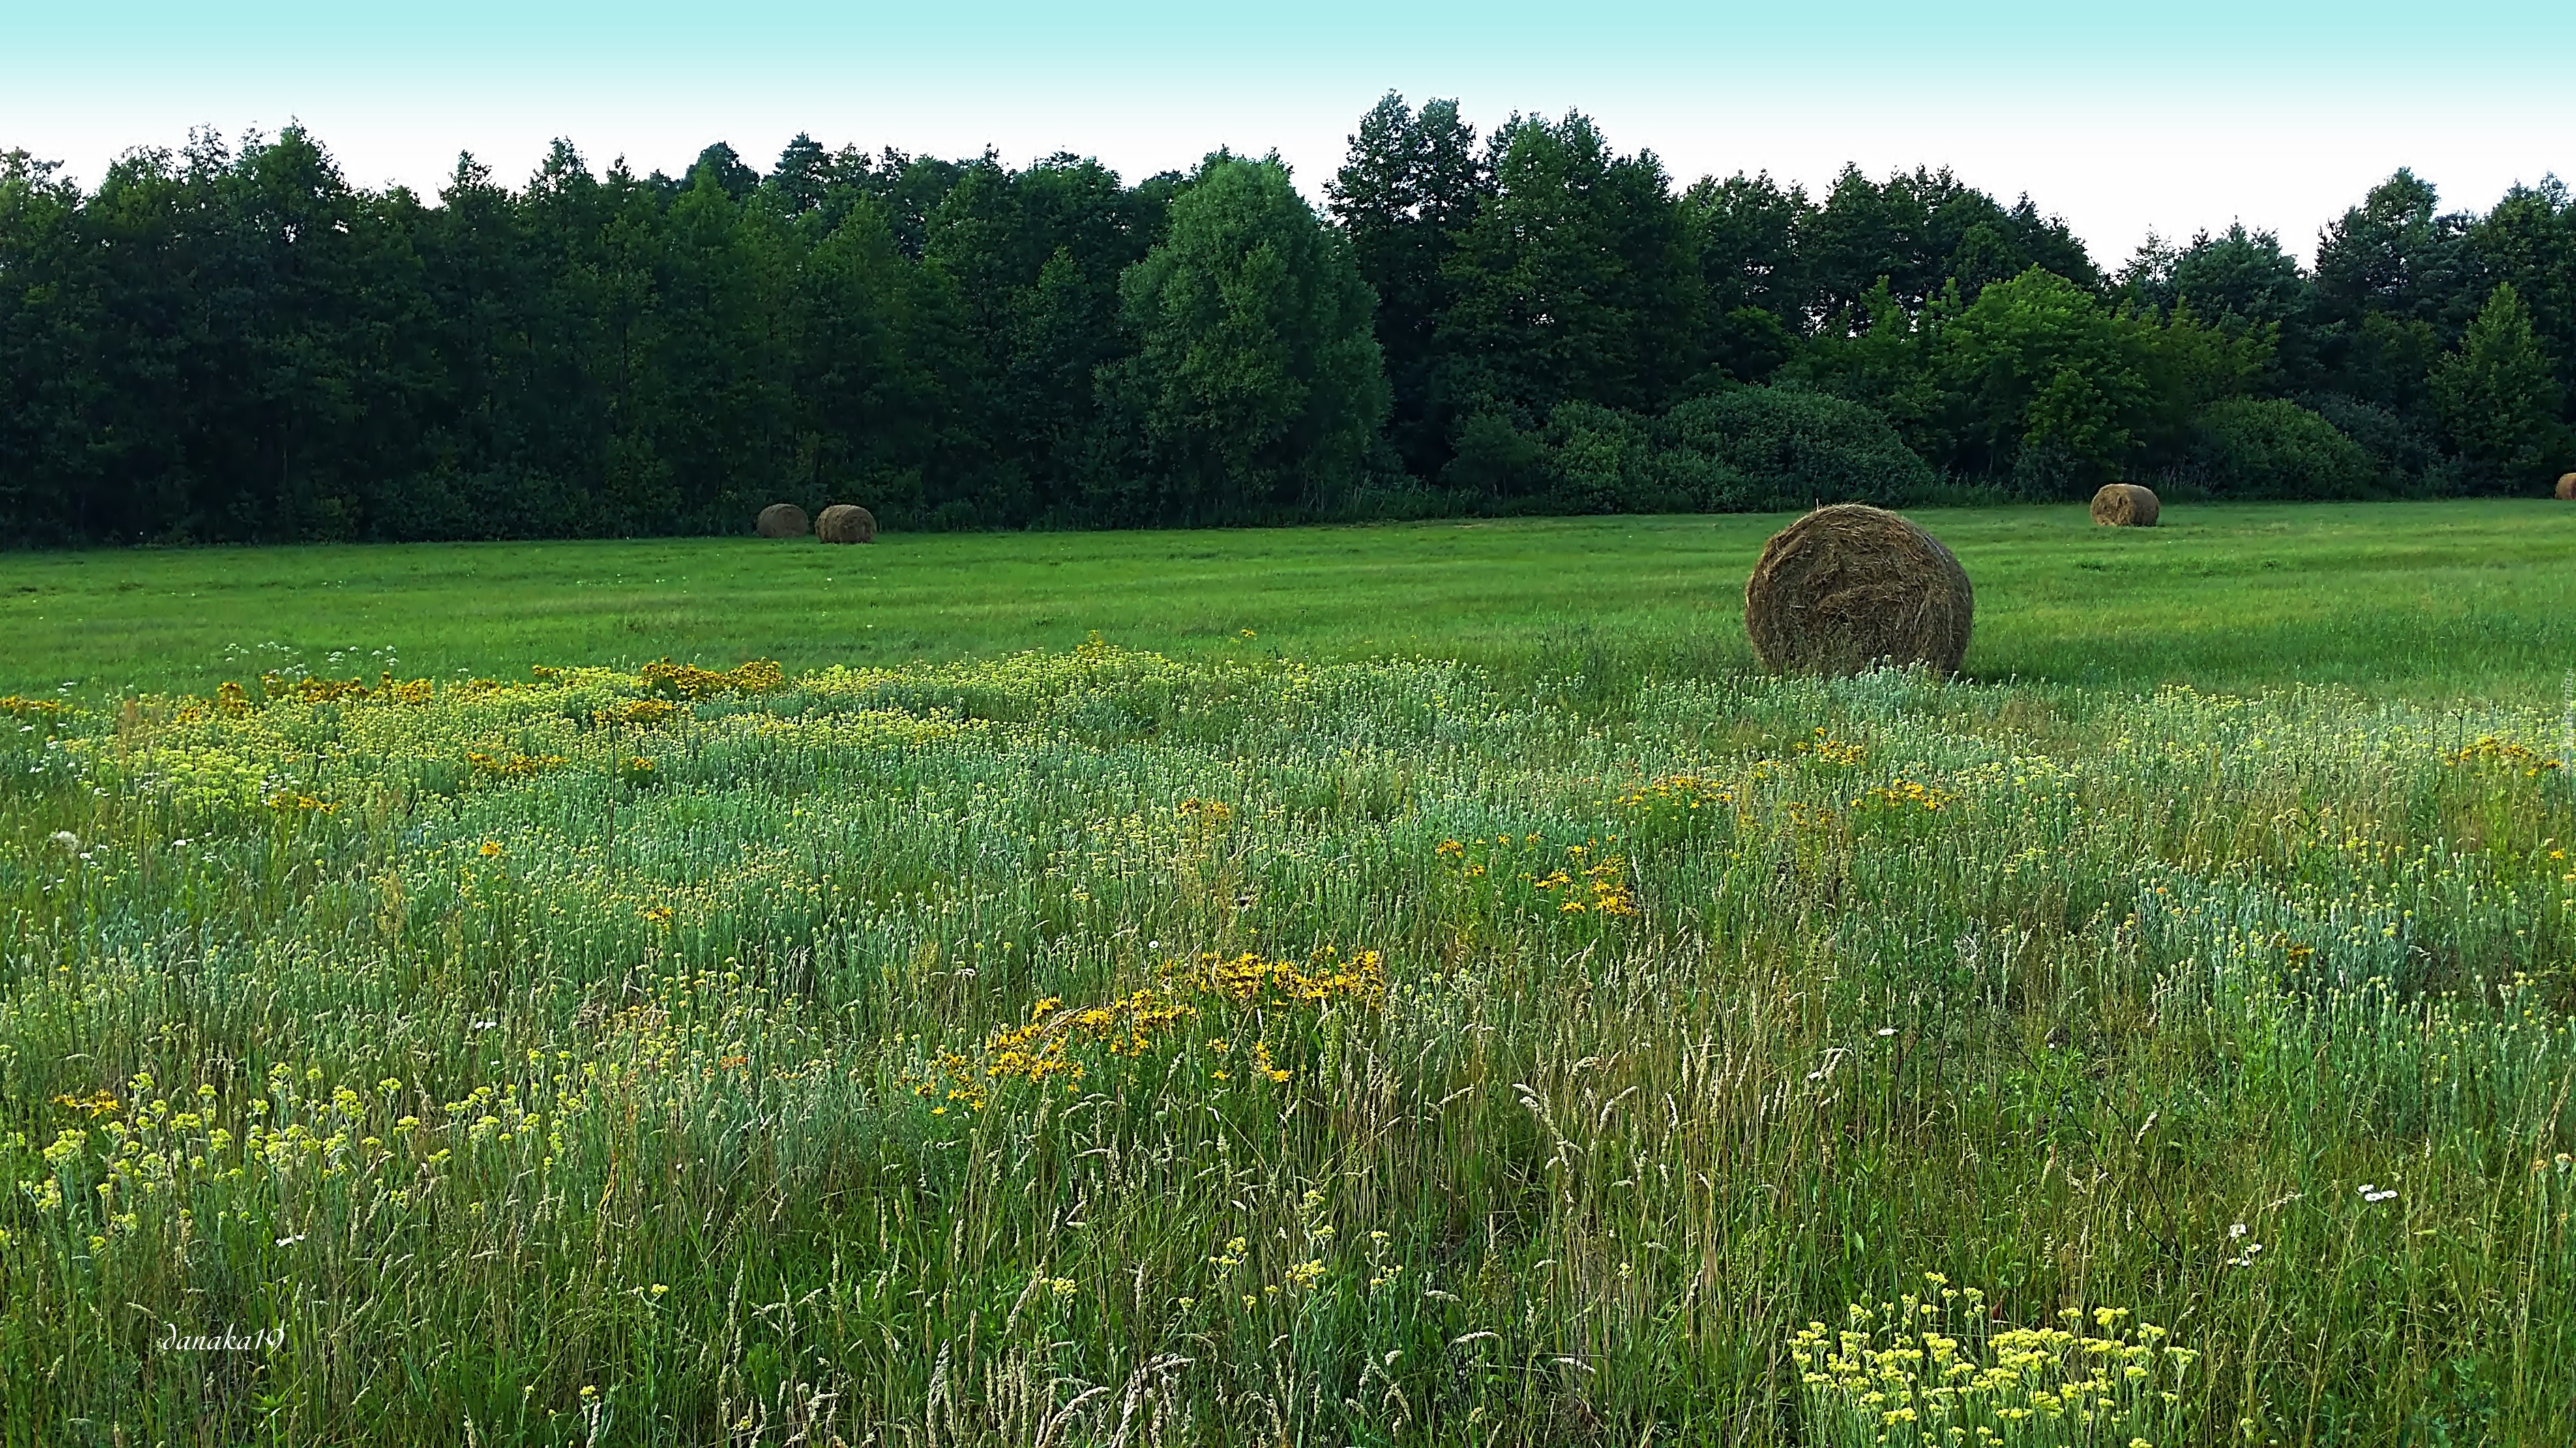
{"x":2185,"y":115}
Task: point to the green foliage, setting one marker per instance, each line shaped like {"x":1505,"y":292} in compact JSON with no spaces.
{"x":1786,"y":447}
{"x":2250,"y":447}
{"x":1411,"y":185}
{"x":234,"y":344}
{"x":2037,"y":380}
{"x":1736,"y":449}
{"x":1576,"y":282}
{"x":2500,"y":401}
{"x":1256,"y":390}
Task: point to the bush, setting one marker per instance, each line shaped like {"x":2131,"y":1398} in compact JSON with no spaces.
{"x":1601,"y":460}
{"x":1761,"y":448}
{"x":1736,"y":449}
{"x":2267,"y":447}
{"x":2404,"y":451}
{"x":1739,"y":449}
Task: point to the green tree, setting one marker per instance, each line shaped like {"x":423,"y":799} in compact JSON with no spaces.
{"x":1747,"y":232}
{"x":2498,"y":399}
{"x":1404,"y":196}
{"x":1575,"y":282}
{"x":2044,"y":384}
{"x":1256,"y":391}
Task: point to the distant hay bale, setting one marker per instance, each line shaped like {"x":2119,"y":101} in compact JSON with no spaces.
{"x":846,"y":523}
{"x":2125,"y":505}
{"x":1849,"y":587}
{"x":784,"y":520}
{"x":2567,"y":487}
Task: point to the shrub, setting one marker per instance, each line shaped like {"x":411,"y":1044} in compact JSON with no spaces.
{"x":2404,"y":451}
{"x":2252,"y":447}
{"x":1762,"y":448}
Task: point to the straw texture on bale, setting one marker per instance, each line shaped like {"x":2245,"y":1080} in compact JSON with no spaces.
{"x":2567,"y":486}
{"x":1849,"y":587}
{"x":846,"y":523}
{"x":783,"y":520}
{"x":2125,"y":505}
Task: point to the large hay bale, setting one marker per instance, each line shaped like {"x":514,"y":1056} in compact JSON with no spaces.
{"x":2567,"y":487}
{"x":2125,"y":505}
{"x":846,"y":523}
{"x":1849,"y":587}
{"x":783,"y":520}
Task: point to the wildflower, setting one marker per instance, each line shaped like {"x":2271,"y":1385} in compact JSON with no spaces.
{"x":490,"y":849}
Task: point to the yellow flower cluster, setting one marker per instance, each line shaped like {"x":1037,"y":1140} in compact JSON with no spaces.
{"x":18,"y":707}
{"x":1041,"y":1050}
{"x":101,"y":1102}
{"x":294,"y":802}
{"x":1927,"y":1369}
{"x":233,"y":700}
{"x":1676,"y":792}
{"x":1589,"y":883}
{"x":2490,"y":750}
{"x":1600,"y":889}
{"x":1248,"y":979}
{"x":642,"y":713}
{"x":513,"y":765}
{"x":686,"y":681}
{"x":1902,"y":794}
{"x":1828,"y":750}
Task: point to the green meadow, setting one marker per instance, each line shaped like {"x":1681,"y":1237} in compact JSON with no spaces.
{"x":2460,"y":598}
{"x":1337,"y":986}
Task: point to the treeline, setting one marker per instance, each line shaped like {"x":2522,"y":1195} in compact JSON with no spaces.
{"x":222,"y":344}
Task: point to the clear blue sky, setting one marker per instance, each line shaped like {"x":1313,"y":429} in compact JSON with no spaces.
{"x":2176,"y":116}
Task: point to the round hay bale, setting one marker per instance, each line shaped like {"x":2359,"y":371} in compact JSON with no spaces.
{"x":846,"y":523}
{"x":2125,"y":505}
{"x":783,"y":520}
{"x":2567,"y":487}
{"x":1849,"y":587}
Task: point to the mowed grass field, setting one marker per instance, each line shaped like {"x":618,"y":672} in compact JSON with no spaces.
{"x":1405,"y":985}
{"x":2421,"y":599}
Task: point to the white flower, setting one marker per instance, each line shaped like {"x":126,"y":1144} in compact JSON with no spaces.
{"x":67,"y":842}
{"x":2236,"y":1231}
{"x":290,"y":1241}
{"x":485,"y":1025}
{"x":1887,"y":1030}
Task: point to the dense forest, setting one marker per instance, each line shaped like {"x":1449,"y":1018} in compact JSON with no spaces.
{"x":233,"y":343}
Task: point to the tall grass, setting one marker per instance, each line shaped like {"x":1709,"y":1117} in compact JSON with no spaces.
{"x":1094,"y":1047}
